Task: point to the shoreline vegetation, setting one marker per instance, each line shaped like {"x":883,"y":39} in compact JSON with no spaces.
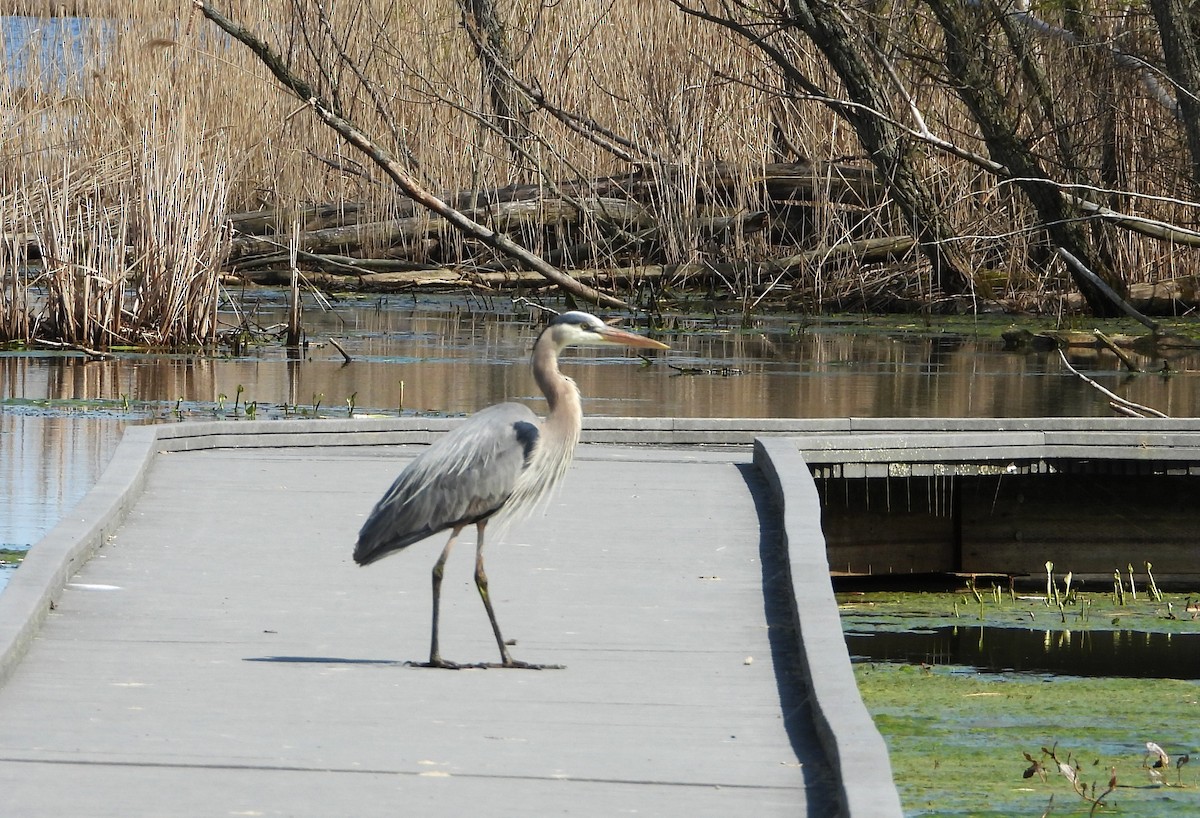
{"x":943,"y":158}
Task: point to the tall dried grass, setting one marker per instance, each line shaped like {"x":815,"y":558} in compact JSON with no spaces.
{"x":124,"y":170}
{"x":120,"y":177}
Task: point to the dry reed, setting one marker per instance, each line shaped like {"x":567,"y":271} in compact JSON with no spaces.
{"x":124,"y":165}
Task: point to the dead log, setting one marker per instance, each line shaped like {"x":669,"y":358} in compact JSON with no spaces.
{"x":335,"y":239}
{"x":333,"y":236}
{"x":1121,"y":354}
{"x":314,"y":217}
{"x":343,"y":272}
{"x":393,"y":169}
{"x":518,"y":216}
{"x":804,"y":182}
{"x":1173,"y":297}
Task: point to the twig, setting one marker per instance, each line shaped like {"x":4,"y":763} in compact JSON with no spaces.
{"x":339,"y":348}
{"x":1121,"y":404}
{"x":88,"y":352}
{"x":1130,"y":364}
{"x":520,"y":299}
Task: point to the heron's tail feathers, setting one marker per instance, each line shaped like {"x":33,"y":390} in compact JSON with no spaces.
{"x":374,"y":544}
{"x":365,"y":555}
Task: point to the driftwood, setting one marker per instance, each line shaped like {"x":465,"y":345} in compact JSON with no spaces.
{"x":1121,"y":354}
{"x":620,"y":208}
{"x":520,"y":216}
{"x":602,"y":231}
{"x":719,"y":184}
{"x":329,"y":113}
{"x":1173,"y":297}
{"x":1118,"y":404}
{"x":1147,"y":344}
{"x":350,"y":273}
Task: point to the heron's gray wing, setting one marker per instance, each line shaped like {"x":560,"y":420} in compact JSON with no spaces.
{"x":462,"y":478}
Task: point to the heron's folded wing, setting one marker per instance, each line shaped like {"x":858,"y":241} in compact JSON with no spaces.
{"x":465,"y":476}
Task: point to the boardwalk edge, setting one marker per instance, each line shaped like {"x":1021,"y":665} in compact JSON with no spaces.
{"x":36,"y":587}
{"x":853,"y":744}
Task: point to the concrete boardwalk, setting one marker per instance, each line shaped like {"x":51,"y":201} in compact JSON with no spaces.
{"x":221,"y":654}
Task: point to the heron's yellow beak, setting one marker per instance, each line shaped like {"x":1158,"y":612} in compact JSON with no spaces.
{"x":614,"y":335}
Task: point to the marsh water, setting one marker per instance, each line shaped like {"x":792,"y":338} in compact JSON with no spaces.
{"x":62,"y":415}
{"x":1103,"y":653}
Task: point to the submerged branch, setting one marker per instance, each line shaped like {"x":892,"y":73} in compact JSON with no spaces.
{"x":1125,"y":407}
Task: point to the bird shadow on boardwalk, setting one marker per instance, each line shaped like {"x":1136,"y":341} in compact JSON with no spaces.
{"x":329,"y":660}
{"x":778,"y":606}
{"x":337,"y":660}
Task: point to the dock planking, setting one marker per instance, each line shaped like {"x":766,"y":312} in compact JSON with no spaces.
{"x":194,"y":639}
{"x":221,"y":654}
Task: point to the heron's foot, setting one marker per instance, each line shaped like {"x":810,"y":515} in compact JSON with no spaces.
{"x":439,"y":662}
{"x":511,"y":664}
{"x":516,"y":664}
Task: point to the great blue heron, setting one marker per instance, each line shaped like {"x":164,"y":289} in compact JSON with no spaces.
{"x":501,"y":458}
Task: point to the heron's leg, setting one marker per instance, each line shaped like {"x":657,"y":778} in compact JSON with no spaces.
{"x":435,"y":656}
{"x":481,"y":582}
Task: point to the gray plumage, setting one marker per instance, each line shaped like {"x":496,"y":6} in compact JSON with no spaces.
{"x":463,"y":479}
{"x":502,"y":459}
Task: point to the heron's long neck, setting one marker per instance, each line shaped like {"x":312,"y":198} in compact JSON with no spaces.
{"x":560,"y":432}
{"x":560,"y":391}
{"x":565,"y":413}
{"x":564,"y":417}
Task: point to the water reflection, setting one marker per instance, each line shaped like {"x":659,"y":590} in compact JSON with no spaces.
{"x":61,"y":416}
{"x":49,"y":50}
{"x":1130,"y":654}
{"x":424,"y":358}
{"x":47,"y":464}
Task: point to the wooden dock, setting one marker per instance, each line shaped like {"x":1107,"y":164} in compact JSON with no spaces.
{"x":194,"y":639}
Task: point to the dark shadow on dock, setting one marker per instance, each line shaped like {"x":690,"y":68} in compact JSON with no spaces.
{"x":778,"y":601}
{"x":335,"y":660}
{"x":327,"y":660}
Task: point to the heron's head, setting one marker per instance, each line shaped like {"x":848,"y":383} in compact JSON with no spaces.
{"x":583,"y":329}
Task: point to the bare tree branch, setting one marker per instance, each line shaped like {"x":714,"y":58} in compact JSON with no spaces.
{"x":394,"y":170}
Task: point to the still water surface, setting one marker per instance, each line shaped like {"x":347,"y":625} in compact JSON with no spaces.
{"x":1116,"y":653}
{"x":61,"y":416}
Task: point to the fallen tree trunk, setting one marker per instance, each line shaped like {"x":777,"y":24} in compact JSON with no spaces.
{"x":621,"y":203}
{"x":808,"y":182}
{"x":1173,"y":297}
{"x":530,"y":217}
{"x":343,"y":272}
{"x":330,"y":115}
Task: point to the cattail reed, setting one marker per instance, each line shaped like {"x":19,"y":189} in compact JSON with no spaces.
{"x":122,"y":163}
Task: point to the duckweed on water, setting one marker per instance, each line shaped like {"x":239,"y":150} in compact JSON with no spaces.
{"x":1092,"y":610}
{"x":957,"y":741}
{"x":958,"y":738}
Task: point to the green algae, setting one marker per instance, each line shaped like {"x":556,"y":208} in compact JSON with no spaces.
{"x":958,"y":741}
{"x":1080,"y":611}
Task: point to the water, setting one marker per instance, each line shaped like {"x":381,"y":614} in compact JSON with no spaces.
{"x":62,"y":416}
{"x":51,"y":50}
{"x":1098,"y":653}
